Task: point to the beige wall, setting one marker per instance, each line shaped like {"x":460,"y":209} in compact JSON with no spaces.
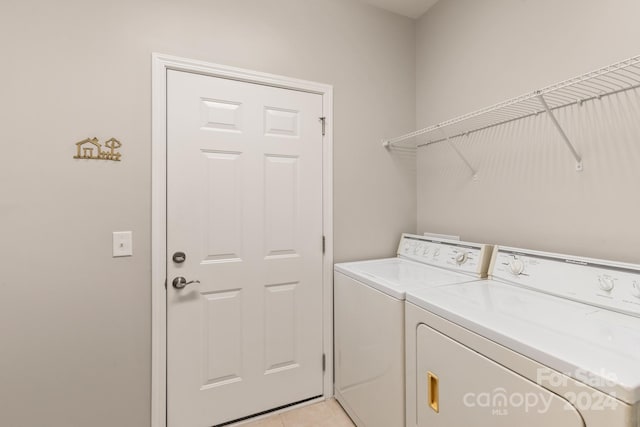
{"x":74,"y":322}
{"x":471,"y":54}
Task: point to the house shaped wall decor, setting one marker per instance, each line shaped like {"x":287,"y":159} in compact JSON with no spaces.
{"x":91,"y":149}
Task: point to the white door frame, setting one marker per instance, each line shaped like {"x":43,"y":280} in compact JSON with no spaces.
{"x":162,"y":63}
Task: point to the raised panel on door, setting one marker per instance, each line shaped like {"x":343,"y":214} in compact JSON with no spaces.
{"x":223,"y":194}
{"x":281,"y":205}
{"x":221,"y":115}
{"x":244,"y":202}
{"x":455,"y":386}
{"x":221,"y":338}
{"x":281,"y":343}
{"x":281,"y":122}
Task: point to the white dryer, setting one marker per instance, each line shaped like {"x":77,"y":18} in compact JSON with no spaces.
{"x":369,"y":320}
{"x":549,"y":340}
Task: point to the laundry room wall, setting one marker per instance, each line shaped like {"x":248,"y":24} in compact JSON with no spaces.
{"x":75,"y":322}
{"x":472,"y":54}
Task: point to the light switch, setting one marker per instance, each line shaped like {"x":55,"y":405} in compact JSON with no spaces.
{"x":122,"y":243}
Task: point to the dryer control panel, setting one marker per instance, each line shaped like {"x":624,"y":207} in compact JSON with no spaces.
{"x":607,"y":284}
{"x":465,"y":257}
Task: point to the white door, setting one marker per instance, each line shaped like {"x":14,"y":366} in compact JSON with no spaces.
{"x":244,"y":204}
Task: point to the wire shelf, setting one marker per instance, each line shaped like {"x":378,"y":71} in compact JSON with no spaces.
{"x":615,"y":78}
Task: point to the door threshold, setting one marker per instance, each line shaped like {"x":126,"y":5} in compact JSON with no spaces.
{"x":274,"y":411}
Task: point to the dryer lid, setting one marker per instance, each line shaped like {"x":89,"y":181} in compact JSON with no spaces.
{"x":594,"y":346}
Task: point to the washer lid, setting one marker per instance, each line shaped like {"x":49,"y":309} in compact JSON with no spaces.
{"x":394,"y":276}
{"x":597,"y":347}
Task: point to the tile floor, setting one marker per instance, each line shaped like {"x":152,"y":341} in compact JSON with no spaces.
{"x":323,"y":414}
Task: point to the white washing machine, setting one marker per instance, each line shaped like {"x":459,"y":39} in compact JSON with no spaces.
{"x":369,"y":320}
{"x":548,"y":340}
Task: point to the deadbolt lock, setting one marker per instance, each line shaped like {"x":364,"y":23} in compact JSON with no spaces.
{"x":179,"y":257}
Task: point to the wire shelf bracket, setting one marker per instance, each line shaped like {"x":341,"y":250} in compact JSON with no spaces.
{"x":610,"y":80}
{"x":564,"y":136}
{"x":474,"y":173}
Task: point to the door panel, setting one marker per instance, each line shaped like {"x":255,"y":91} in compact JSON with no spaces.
{"x":281,"y":205}
{"x":221,"y":115}
{"x":223,"y":215}
{"x":222,"y":332}
{"x":280,"y":335}
{"x":244,"y":202}
{"x":280,"y":122}
{"x":458,"y":387}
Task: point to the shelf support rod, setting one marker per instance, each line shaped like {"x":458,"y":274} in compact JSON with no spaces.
{"x":462,"y":157}
{"x":561,"y":131}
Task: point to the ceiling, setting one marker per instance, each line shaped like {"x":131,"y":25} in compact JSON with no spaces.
{"x":411,"y":8}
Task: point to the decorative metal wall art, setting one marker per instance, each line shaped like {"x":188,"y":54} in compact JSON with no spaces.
{"x":91,"y":149}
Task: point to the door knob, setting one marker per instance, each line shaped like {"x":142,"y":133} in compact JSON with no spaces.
{"x":181,"y":282}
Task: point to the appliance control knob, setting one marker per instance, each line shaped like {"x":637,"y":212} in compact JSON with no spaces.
{"x":461,"y":257}
{"x":436,"y":252}
{"x":516,"y":266}
{"x":606,"y":283}
{"x":635,"y":289}
{"x":426,"y":250}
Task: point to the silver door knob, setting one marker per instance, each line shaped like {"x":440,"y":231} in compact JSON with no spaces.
{"x":181,"y":282}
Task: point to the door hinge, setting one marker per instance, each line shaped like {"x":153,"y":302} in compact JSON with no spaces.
{"x":324,"y":362}
{"x":323,"y":244}
{"x":323,"y":120}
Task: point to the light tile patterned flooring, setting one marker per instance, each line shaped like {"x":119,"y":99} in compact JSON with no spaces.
{"x":324,"y":414}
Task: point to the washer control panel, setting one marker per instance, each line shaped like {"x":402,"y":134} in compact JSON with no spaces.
{"x":472,"y":258}
{"x":607,"y":284}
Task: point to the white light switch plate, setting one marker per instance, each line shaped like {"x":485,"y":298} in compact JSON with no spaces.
{"x":122,"y":243}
